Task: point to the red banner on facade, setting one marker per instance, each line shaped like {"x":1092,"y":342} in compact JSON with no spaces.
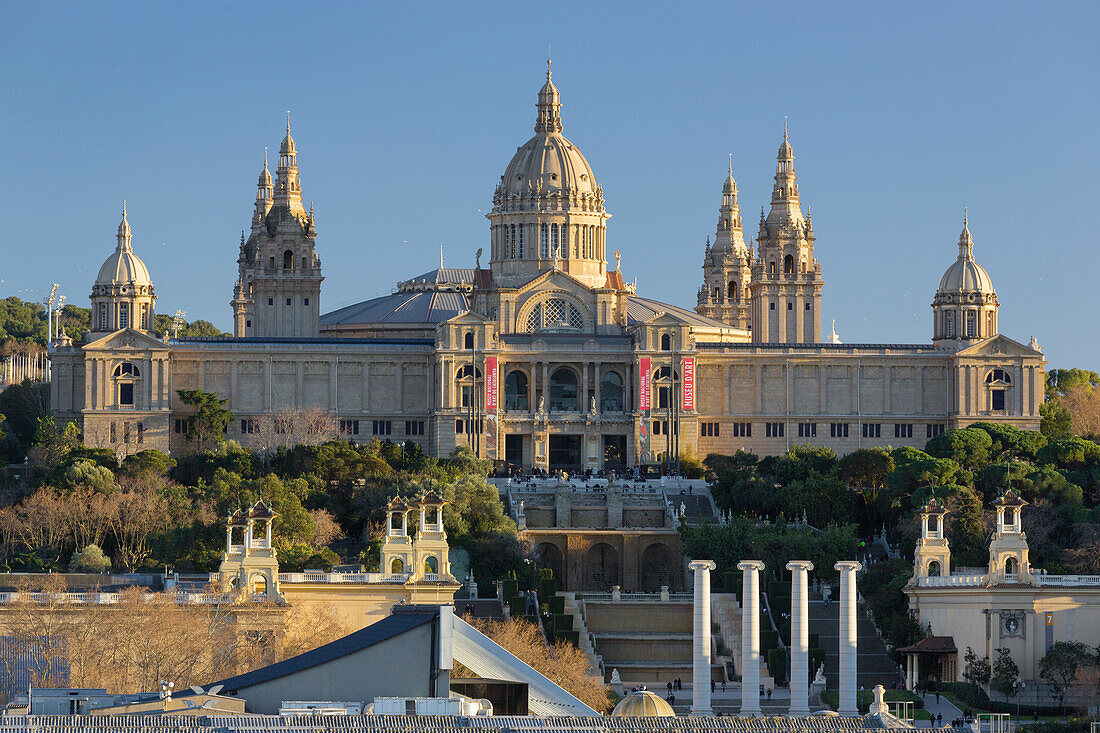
{"x":688,"y":401}
{"x":645,"y":389}
{"x":490,"y":384}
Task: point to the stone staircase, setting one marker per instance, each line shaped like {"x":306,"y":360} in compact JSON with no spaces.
{"x":649,"y":642}
{"x":573,"y":608}
{"x":874,"y":665}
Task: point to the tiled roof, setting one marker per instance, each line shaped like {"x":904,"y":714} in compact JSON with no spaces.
{"x":932,"y":645}
{"x":421,"y":306}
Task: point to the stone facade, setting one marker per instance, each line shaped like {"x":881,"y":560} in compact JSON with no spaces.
{"x":547,"y":357}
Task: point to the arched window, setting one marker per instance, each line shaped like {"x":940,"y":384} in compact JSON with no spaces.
{"x":771,"y":267}
{"x":788,"y":264}
{"x":468,"y":340}
{"x":663,"y":380}
{"x":288,"y":260}
{"x":933,"y":569}
{"x":515,"y":391}
{"x":666,"y":342}
{"x":732,"y":292}
{"x":611,"y":392}
{"x":397,"y":565}
{"x":431,"y":565}
{"x":126,"y":369}
{"x":468,"y":378}
{"x":1012,"y":566}
{"x":717,"y":293}
{"x":259,"y":584}
{"x":555,"y":314}
{"x":998,"y":375}
{"x":564,"y":395}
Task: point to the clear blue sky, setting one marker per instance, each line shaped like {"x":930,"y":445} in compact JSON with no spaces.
{"x":406,"y":114}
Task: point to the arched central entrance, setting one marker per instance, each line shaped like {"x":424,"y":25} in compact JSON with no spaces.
{"x":601,"y":568}
{"x":548,"y":555}
{"x":657,"y":568}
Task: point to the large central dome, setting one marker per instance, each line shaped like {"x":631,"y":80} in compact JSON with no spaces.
{"x":548,"y":209}
{"x":548,"y":162}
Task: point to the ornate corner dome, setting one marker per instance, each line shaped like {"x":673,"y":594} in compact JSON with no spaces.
{"x":965,"y":306}
{"x":123,"y":267}
{"x":548,"y":208}
{"x":965,"y":274}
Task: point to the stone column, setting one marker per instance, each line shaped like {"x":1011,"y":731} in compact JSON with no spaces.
{"x":700,"y":666}
{"x":800,"y":637}
{"x":750,"y":636}
{"x":848,"y":570}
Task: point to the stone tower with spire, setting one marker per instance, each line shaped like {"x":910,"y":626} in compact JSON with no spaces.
{"x":278,"y":289}
{"x":727,"y":265}
{"x":786,"y":277}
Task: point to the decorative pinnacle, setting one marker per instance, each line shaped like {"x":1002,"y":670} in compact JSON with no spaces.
{"x":547,"y":63}
{"x":265,"y":157}
{"x":123,"y":208}
{"x":731,"y":165}
{"x":288,"y":122}
{"x":784,"y":127}
{"x":966,"y":216}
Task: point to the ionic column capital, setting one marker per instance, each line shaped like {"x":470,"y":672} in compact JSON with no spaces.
{"x":702,"y":565}
{"x":756,"y":565}
{"x":848,"y":565}
{"x":803,"y":565}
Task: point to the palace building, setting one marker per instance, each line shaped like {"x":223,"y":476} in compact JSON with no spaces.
{"x":546,"y":356}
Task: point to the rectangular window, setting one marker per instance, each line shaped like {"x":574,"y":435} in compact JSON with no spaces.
{"x":998,"y":400}
{"x":771,"y":306}
{"x":126,"y":393}
{"x":807,"y":306}
{"x":382,"y":427}
{"x":933,"y":430}
{"x":349,"y":427}
{"x":838,"y":430}
{"x":288,"y":301}
{"x":114,"y":433}
{"x":458,"y":426}
{"x":271,"y":301}
{"x":125,"y":432}
{"x":742,"y":430}
{"x":790,"y":306}
{"x":305,"y":302}
{"x":414,"y":427}
{"x":807,"y":430}
{"x":872,"y":430}
{"x":774,"y":430}
{"x":141,"y":432}
{"x":709,"y":429}
{"x":903,"y":430}
{"x":971,"y":324}
{"x":248,"y":323}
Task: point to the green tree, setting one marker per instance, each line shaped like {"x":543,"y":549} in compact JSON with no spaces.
{"x":977,"y":670}
{"x":969,"y":447}
{"x":89,"y":560}
{"x":1005,"y":674}
{"x":1061,"y":665}
{"x":1061,"y":381}
{"x":148,"y":462}
{"x":209,"y":419}
{"x":87,"y":474}
{"x":1055,"y":422}
{"x":1071,"y":453}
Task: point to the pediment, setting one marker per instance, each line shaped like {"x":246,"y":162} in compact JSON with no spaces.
{"x":999,"y":346}
{"x":468,"y":318}
{"x":556,"y":280}
{"x":126,"y":339}
{"x":666,"y":319}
